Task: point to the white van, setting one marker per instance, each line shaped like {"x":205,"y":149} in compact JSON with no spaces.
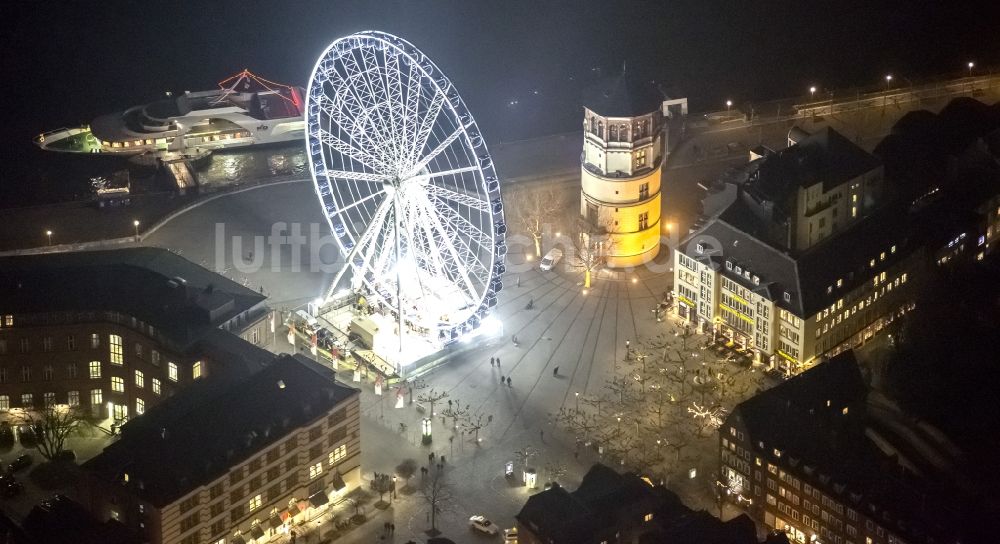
{"x":550,"y":259}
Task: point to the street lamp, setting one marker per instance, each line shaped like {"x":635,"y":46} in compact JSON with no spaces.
{"x":812,"y":92}
{"x":577,"y":401}
{"x":888,"y":81}
{"x":135,"y":223}
{"x":425,"y":426}
{"x":971,"y":65}
{"x":49,"y":234}
{"x":729,"y":104}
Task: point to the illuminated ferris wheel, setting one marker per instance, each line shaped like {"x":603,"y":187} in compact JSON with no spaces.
{"x":407,"y":183}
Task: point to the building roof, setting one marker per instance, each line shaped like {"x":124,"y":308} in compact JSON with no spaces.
{"x":825,"y":156}
{"x":143,"y":282}
{"x":737,"y":235}
{"x":59,"y":520}
{"x":197,"y":435}
{"x":623,"y":96}
{"x":804,"y":419}
{"x":581,"y":516}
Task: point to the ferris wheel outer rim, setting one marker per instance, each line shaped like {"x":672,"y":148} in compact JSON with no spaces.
{"x":492,"y":283}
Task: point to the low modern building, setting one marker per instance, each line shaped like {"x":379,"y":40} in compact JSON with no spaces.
{"x":115,"y":332}
{"x":812,"y":461}
{"x":623,"y":152}
{"x":609,"y":507}
{"x":232,"y":462}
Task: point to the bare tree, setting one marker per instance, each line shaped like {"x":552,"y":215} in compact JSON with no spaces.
{"x":438,"y":494}
{"x":456,"y":413}
{"x":477,"y":422}
{"x":534,"y":209}
{"x":431,"y":397}
{"x":525,"y":454}
{"x":591,"y":247}
{"x":405,"y":470}
{"x":383,"y":485}
{"x":52,"y":425}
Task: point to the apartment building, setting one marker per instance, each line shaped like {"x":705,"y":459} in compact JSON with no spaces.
{"x":791,"y":309}
{"x":115,"y":332}
{"x":809,"y":461}
{"x":232,"y":462}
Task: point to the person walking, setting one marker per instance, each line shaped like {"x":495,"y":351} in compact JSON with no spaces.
{"x":508,"y":381}
{"x":492,"y":362}
{"x":498,"y":362}
{"x":555,"y":371}
{"x":501,"y":379}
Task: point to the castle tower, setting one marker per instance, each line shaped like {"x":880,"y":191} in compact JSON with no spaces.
{"x":620,"y":173}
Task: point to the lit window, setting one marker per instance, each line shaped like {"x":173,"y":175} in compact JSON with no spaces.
{"x":117,"y":384}
{"x":73,"y":398}
{"x":337,"y":454}
{"x":95,"y":341}
{"x":49,"y":399}
{"x":156,"y":386}
{"x":96,"y":397}
{"x":254,"y":503}
{"x":95,"y":369}
{"x":647,"y":517}
{"x":4,"y":403}
{"x":115,"y":349}
{"x":172,"y":371}
{"x":140,"y":406}
{"x":196,"y":370}
{"x":26,"y":400}
{"x":315,"y":470}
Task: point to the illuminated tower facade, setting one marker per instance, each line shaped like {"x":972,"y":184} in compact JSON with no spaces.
{"x":623,"y":149}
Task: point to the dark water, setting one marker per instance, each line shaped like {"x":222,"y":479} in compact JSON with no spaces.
{"x":227,"y":167}
{"x":66,"y":62}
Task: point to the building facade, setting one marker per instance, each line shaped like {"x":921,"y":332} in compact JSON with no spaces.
{"x":805,"y":263}
{"x":244,"y":464}
{"x":115,"y":332}
{"x":623,"y":151}
{"x":803,"y":458}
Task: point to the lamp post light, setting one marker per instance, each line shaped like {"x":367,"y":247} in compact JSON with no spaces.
{"x":729,"y":104}
{"x":971,"y":65}
{"x":578,"y":402}
{"x":393,"y":496}
{"x":812,"y":92}
{"x":48,"y":233}
{"x":425,"y":427}
{"x":135,"y":223}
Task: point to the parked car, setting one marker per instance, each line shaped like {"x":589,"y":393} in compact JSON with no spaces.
{"x":23,"y":461}
{"x":483,"y":525}
{"x":550,"y":259}
{"x":510,"y":535}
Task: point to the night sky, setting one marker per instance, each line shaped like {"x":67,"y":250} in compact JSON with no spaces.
{"x":66,"y":62}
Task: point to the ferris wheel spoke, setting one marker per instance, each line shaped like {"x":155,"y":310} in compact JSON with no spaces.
{"x":370,"y":235}
{"x":360,"y":176}
{"x":379,"y":95}
{"x":436,"y":151}
{"x":424,"y":127}
{"x":445,"y":194}
{"x":414,"y":93}
{"x":457,"y":229}
{"x":360,"y":201}
{"x":394,"y":85}
{"x":429,"y":214}
{"x":358,"y":155}
{"x":355,"y":122}
{"x":366,"y":96}
{"x":452,"y":172}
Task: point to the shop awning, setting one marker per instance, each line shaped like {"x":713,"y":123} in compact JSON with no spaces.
{"x":338,"y":481}
{"x":238,"y":539}
{"x":319,"y":499}
{"x":286,"y":515}
{"x":256,"y":531}
{"x":275,"y":521}
{"x":303,"y":505}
